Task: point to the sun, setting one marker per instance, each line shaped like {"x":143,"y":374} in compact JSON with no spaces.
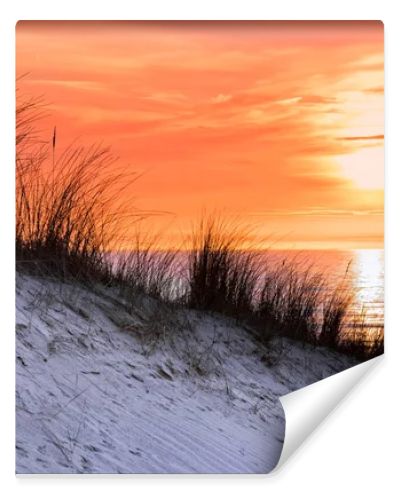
{"x":364,"y":168}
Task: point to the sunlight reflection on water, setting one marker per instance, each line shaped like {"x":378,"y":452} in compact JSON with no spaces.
{"x":368,"y":281}
{"x":365,"y":275}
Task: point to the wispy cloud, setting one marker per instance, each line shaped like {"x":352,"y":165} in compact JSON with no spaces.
{"x":374,"y":90}
{"x":220,"y":98}
{"x":89,"y":85}
{"x":318,"y":212}
{"x":378,"y":137}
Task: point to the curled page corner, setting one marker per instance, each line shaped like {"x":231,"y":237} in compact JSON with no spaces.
{"x":306,"y":408}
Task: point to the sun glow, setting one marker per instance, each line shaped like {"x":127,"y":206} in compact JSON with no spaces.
{"x":364,"y":167}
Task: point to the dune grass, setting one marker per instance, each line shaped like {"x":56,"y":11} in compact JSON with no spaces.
{"x":360,"y":339}
{"x":297,"y":303}
{"x":66,"y":209}
{"x":335,"y":310}
{"x":290,"y":301}
{"x":147,"y":269}
{"x":222,"y":276}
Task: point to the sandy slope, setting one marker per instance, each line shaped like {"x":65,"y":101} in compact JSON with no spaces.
{"x":102,"y":390}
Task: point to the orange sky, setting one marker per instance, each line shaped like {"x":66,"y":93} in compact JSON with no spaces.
{"x":279,"y":122}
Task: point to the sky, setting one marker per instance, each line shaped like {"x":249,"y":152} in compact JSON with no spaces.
{"x":278,"y":123}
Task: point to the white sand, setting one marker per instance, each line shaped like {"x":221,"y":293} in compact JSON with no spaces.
{"x":99,"y":392}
